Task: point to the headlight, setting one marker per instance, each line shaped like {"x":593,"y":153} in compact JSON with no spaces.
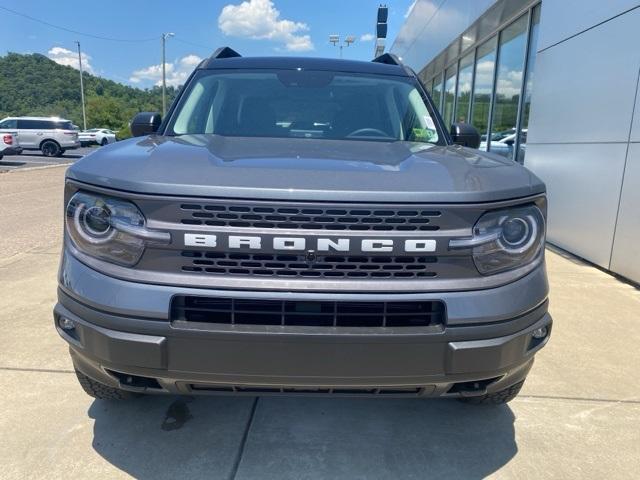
{"x":505,"y":239}
{"x":109,"y":229}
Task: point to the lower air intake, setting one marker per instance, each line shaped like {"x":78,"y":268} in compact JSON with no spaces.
{"x":350,"y":391}
{"x":232,"y":311}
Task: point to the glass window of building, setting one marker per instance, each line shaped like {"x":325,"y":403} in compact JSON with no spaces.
{"x":508,"y":85}
{"x":449,"y":95}
{"x":483,"y":87}
{"x":436,"y":90}
{"x":429,"y":88}
{"x":531,"y":63}
{"x":465,"y":78}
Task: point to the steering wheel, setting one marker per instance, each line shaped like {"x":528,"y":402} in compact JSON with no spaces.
{"x":368,"y":132}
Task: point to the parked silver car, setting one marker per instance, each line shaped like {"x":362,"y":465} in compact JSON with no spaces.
{"x":51,"y":135}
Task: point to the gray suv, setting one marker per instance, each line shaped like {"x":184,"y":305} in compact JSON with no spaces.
{"x":51,"y":135}
{"x":302,"y":226}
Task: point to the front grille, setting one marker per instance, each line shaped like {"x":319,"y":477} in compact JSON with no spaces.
{"x":232,"y":311}
{"x":312,"y":218}
{"x":324,"y":266}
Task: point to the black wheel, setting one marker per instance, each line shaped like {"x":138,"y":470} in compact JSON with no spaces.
{"x":497,"y":398}
{"x":60,"y":153}
{"x":104,"y":142}
{"x":101,"y":391}
{"x":49,"y":148}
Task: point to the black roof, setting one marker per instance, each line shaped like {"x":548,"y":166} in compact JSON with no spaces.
{"x":305,"y":63}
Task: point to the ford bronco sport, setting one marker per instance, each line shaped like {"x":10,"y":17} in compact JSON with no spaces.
{"x":302,"y":226}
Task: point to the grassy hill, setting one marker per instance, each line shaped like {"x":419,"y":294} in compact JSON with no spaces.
{"x":35,"y":85}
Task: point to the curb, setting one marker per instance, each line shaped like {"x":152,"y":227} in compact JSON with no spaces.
{"x":43,"y":167}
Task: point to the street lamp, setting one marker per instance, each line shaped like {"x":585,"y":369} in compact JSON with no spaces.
{"x":335,"y":40}
{"x":84,"y":113}
{"x":164,"y":73}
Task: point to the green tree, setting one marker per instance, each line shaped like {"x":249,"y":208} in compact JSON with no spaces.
{"x":35,"y":85}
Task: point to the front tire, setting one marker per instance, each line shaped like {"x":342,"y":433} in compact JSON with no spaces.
{"x":104,"y":142}
{"x":101,"y":391}
{"x":497,"y":398}
{"x":49,"y":148}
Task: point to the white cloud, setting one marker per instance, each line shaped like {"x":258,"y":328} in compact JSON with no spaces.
{"x":367,"y":37}
{"x":69,"y":58}
{"x":176,"y":72}
{"x":509,"y":82}
{"x":190,"y":60}
{"x":260,"y":20}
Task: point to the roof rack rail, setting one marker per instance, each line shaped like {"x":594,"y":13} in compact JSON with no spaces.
{"x":224,"y":52}
{"x":388,"y":59}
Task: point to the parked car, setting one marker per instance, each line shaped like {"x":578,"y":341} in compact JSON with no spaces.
{"x":504,"y":145}
{"x":97,"y":136}
{"x":302,"y":226}
{"x":9,"y":144}
{"x":51,"y":135}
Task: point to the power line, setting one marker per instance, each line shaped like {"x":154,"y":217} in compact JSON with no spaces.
{"x":177,"y":39}
{"x":91,"y":35}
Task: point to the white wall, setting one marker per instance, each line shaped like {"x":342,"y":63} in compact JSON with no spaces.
{"x":564,"y":18}
{"x":581,"y":127}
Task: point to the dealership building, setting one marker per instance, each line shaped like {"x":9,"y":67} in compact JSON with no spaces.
{"x":552,"y":84}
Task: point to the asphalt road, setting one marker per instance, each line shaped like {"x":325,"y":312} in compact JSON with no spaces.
{"x":576,"y":418}
{"x":31,"y":159}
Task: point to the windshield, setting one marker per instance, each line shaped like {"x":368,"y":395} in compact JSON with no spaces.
{"x":304,"y":104}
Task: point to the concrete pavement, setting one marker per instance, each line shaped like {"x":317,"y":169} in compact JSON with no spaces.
{"x":29,"y":159}
{"x":577,"y":417}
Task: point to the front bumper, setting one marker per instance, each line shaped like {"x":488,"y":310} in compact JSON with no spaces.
{"x":138,"y":348}
{"x":11,"y":151}
{"x":70,"y":145}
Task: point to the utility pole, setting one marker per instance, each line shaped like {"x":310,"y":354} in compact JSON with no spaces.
{"x":84,"y":113}
{"x":335,"y":40}
{"x":164,"y":74}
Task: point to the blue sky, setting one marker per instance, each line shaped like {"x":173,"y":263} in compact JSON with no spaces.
{"x":253,"y":27}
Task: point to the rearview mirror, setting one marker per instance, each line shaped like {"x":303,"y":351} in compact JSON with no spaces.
{"x":145,"y":123}
{"x":465,"y":135}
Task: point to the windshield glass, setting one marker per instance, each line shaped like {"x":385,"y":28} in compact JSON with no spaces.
{"x":304,"y":104}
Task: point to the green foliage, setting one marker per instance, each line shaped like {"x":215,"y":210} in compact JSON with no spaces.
{"x":35,"y":85}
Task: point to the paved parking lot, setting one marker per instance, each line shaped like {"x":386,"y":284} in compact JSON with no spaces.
{"x":577,"y":417}
{"x":31,"y":159}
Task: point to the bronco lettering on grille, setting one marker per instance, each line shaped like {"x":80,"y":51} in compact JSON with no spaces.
{"x":319,"y":244}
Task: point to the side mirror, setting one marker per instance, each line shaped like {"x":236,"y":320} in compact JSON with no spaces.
{"x":145,"y":123}
{"x":465,"y":135}
{"x":510,"y":142}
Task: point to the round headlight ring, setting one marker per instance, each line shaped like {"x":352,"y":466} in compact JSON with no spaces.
{"x":85,"y":230}
{"x":96,"y":220}
{"x":527,"y":239}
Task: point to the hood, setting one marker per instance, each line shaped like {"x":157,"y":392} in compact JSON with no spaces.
{"x":305,"y":169}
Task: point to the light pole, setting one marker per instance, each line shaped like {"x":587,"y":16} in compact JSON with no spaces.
{"x":84,"y":114}
{"x":335,"y":39}
{"x":164,"y":73}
